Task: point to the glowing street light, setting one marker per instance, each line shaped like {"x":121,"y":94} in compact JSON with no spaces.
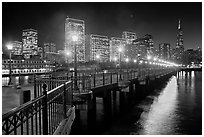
{"x":115,"y":58}
{"x":120,"y":51}
{"x":149,"y":57}
{"x":155,"y":59}
{"x":10,"y":47}
{"x":141,"y":61}
{"x":127,"y":60}
{"x":97,"y":59}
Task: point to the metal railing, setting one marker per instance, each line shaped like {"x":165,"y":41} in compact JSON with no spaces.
{"x":41,"y":115}
{"x":53,"y":97}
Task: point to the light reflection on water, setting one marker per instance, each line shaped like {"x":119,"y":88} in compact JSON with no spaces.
{"x":178,"y":108}
{"x":162,"y":112}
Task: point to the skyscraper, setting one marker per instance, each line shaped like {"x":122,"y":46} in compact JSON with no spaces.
{"x":99,"y":46}
{"x":30,"y":42}
{"x":179,"y":43}
{"x":75,"y":27}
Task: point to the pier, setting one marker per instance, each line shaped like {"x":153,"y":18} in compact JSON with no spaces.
{"x":54,"y":98}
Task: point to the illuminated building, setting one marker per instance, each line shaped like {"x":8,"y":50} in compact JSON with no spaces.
{"x":75,"y":27}
{"x":50,"y":47}
{"x":129,"y":36}
{"x":144,"y":46}
{"x":99,"y":45}
{"x":17,"y":48}
{"x":150,"y":44}
{"x":30,"y":42}
{"x":179,"y":43}
{"x":115,"y":44}
{"x":164,"y":51}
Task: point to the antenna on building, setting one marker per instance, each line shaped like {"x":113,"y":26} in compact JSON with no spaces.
{"x":179,"y":26}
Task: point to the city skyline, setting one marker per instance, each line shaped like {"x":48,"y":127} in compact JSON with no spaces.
{"x":153,"y":18}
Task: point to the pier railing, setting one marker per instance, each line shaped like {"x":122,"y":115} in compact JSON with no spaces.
{"x":54,"y":96}
{"x":41,"y":115}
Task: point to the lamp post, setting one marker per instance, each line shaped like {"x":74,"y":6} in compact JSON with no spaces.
{"x":75,"y":39}
{"x":10,"y":47}
{"x":97,"y":60}
{"x":68,"y":54}
{"x":120,"y":50}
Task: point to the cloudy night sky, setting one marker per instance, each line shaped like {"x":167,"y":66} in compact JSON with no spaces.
{"x":110,"y":19}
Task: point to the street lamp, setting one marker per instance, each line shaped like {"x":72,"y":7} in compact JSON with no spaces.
{"x":68,"y":54}
{"x":10,"y":47}
{"x":97,"y":60}
{"x":120,"y":51}
{"x":75,"y":39}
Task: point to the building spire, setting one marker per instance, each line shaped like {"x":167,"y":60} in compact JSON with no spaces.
{"x":179,"y":26}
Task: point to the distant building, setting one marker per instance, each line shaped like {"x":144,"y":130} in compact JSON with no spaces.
{"x":144,"y":46}
{"x":17,"y":48}
{"x":115,"y":44}
{"x":191,"y":55}
{"x":150,"y":44}
{"x":30,"y":42}
{"x":50,"y":47}
{"x":164,"y":51}
{"x":99,"y":46}
{"x":75,"y":27}
{"x":129,"y":36}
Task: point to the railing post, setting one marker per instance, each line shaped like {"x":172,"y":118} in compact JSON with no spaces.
{"x":83,"y":81}
{"x":94,"y":80}
{"x":35,"y":92}
{"x":44,"y":111}
{"x":111,"y":78}
{"x":103,"y":78}
{"x":64,"y":101}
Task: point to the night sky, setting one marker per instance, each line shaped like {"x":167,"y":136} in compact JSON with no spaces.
{"x":110,"y":19}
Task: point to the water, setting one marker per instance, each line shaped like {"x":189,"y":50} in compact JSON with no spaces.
{"x":175,"y":109}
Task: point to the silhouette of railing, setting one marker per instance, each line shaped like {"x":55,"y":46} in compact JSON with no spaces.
{"x":41,"y":115}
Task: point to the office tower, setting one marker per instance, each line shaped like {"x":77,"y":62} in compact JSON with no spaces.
{"x":75,"y":28}
{"x":30,"y":42}
{"x":99,"y":48}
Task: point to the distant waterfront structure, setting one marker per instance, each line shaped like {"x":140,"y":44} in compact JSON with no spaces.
{"x":179,"y":43}
{"x":30,"y":42}
{"x":164,"y":51}
{"x":99,"y":47}
{"x":75,"y":27}
{"x":115,"y":44}
{"x":17,"y":48}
